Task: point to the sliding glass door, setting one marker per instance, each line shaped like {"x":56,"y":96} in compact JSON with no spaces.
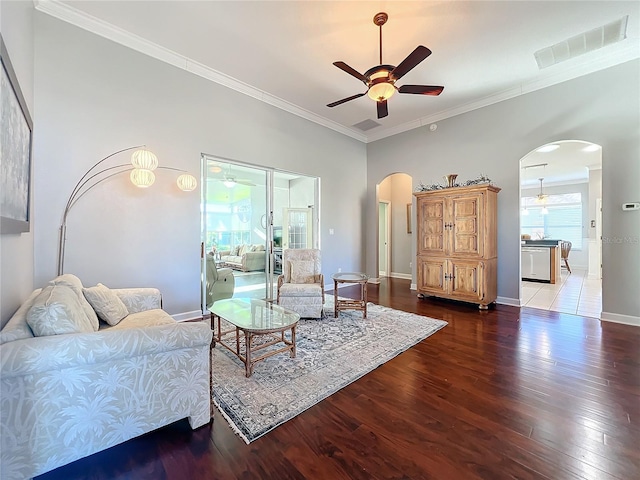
{"x":249,"y":215}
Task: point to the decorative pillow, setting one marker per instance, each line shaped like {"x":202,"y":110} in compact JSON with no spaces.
{"x":258,"y":248}
{"x":235,"y":250}
{"x":74,"y":282}
{"x":56,"y":311}
{"x":303,"y":271}
{"x":106,"y":303}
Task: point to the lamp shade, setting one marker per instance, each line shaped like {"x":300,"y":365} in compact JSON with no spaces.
{"x":187,"y":182}
{"x":142,"y":178}
{"x":144,"y":159}
{"x":381,"y":91}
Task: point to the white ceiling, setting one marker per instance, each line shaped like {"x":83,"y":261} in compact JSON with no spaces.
{"x":282,"y":52}
{"x":569,"y":163}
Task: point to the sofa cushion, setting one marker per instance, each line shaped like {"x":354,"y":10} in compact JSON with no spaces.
{"x":147,"y":318}
{"x":57,"y":311}
{"x":74,"y":282}
{"x":17,"y":327}
{"x":302,"y":271}
{"x":106,"y":303}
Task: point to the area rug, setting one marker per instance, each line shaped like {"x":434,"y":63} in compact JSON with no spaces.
{"x":331,"y":354}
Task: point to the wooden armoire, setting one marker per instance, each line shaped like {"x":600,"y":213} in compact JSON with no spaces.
{"x":457,"y":250}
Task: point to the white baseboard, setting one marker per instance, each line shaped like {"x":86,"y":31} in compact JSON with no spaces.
{"x":405,"y":276}
{"x":514,"y":302}
{"x":413,"y":286}
{"x":186,"y":316}
{"x":375,"y":280}
{"x":618,"y":318}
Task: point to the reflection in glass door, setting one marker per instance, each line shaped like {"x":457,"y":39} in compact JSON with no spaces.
{"x":245,"y":210}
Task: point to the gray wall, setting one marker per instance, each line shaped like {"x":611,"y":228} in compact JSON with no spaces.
{"x":95,"y":97}
{"x":492,"y":140}
{"x":16,"y":251}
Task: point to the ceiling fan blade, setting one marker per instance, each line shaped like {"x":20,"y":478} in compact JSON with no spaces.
{"x":421,"y":89}
{"x":351,"y":71}
{"x":383,"y":110}
{"x":339,"y":102}
{"x":414,"y":58}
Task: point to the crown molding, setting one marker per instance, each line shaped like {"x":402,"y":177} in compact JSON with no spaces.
{"x":552,"y":75}
{"x":106,"y":30}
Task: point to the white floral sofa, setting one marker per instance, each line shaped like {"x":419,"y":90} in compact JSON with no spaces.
{"x":65,"y":396}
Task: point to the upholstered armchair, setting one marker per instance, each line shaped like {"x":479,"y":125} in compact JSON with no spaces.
{"x":220,"y":282}
{"x":301,"y":285}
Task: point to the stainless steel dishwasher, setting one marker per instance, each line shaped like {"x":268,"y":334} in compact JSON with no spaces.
{"x":536,"y":263}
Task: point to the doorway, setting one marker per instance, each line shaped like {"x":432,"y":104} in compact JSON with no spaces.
{"x":560,"y":195}
{"x":384,"y":223}
{"x":394,"y":239}
{"x":250,"y":214}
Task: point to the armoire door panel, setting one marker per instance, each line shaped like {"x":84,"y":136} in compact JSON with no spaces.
{"x":431,"y":275}
{"x":467,"y":218}
{"x":431,"y":226}
{"x":465,"y":278}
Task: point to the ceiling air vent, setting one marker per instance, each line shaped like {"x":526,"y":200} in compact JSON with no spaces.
{"x":585,"y":42}
{"x":367,"y":125}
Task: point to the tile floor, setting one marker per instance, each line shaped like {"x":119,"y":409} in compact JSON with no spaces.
{"x":576,"y":293}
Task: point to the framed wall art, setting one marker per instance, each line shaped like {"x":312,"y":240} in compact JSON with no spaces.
{"x":15,"y":154}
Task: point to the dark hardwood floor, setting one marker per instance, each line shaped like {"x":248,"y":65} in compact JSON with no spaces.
{"x":502,"y":394}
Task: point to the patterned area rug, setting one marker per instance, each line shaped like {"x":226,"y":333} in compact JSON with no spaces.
{"x":331,"y":353}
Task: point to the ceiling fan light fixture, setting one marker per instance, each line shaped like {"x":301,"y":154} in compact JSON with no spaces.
{"x":381,"y":91}
{"x":229,"y":183}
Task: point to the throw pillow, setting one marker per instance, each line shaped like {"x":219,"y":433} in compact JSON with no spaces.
{"x":106,"y":303}
{"x":303,"y":271}
{"x":56,"y":311}
{"x":74,"y":282}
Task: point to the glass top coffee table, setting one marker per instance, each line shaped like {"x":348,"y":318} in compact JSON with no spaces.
{"x":349,"y":303}
{"x":253,"y":317}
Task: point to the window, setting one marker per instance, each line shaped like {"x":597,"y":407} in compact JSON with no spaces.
{"x":563,"y":222}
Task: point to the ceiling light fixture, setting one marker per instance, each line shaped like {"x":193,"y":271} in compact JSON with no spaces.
{"x":229,"y":183}
{"x":548,"y":148}
{"x":591,"y":148}
{"x":541,"y":198}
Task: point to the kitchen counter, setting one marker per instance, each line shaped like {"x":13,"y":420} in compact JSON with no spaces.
{"x":541,"y":243}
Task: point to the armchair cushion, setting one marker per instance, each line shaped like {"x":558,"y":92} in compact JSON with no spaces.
{"x":301,"y":290}
{"x":57,"y":311}
{"x":106,"y":303}
{"x":302,"y":271}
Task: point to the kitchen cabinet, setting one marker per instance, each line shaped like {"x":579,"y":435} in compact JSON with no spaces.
{"x":457,"y":243}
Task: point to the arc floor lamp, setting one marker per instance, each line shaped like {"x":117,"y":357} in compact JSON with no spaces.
{"x":143,"y":163}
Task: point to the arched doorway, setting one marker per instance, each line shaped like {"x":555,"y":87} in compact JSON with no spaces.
{"x":560,"y":196}
{"x":394,"y":197}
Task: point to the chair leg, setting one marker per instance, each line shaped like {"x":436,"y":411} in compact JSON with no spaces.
{"x":566,"y":263}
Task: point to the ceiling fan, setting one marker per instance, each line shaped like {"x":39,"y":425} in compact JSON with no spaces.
{"x":380,"y":80}
{"x":228,"y":179}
